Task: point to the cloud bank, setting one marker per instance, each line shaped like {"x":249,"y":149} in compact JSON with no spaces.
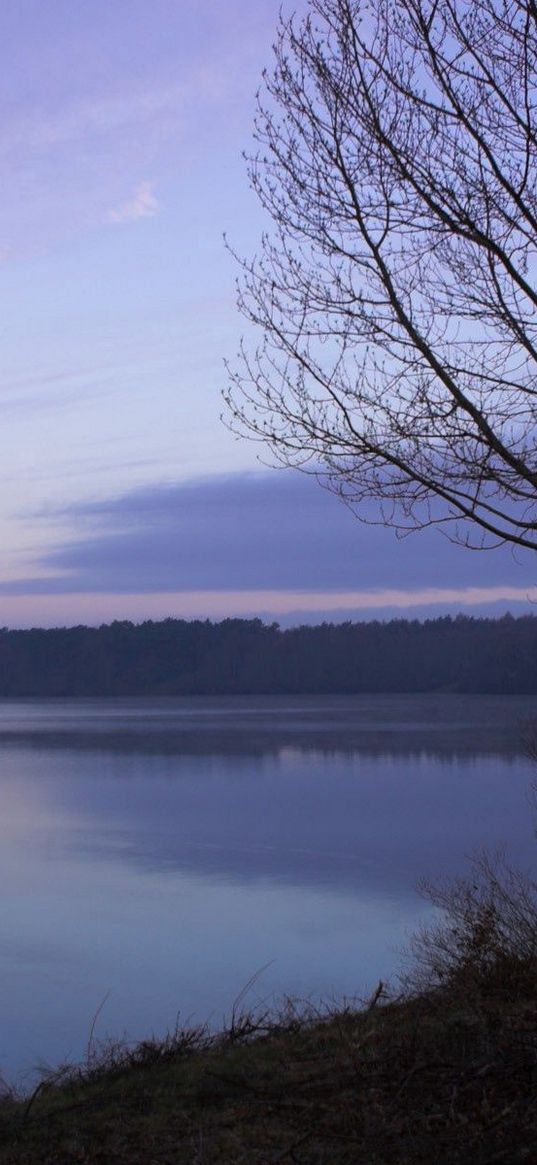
{"x":275,"y":533}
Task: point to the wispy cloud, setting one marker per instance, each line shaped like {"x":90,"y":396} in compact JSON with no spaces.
{"x":80,"y":120}
{"x":142,"y":204}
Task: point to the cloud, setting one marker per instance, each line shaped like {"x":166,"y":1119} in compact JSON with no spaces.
{"x":277,"y":536}
{"x":143,"y":204}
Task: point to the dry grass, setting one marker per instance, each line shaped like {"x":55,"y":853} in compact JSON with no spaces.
{"x":419,"y":1080}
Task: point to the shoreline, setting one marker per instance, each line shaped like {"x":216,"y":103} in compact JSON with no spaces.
{"x":418,"y":1079}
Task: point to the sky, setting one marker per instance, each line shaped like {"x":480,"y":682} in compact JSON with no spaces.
{"x":122,"y":493}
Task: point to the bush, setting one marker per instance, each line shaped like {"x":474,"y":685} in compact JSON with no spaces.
{"x":485,"y":942}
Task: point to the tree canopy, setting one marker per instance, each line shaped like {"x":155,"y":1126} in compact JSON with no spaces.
{"x":395,"y":291}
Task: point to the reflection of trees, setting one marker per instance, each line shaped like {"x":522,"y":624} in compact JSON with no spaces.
{"x":465,"y":743}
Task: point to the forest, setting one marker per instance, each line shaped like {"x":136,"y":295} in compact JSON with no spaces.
{"x":246,"y":656}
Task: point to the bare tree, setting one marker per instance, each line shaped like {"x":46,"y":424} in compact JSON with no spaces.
{"x":396,"y":289}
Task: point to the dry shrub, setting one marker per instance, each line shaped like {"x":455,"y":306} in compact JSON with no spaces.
{"x":484,"y":944}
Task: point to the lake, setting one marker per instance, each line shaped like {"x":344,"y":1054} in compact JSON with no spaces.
{"x":157,"y":853}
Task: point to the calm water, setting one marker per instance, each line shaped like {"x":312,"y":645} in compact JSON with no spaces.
{"x":160,"y":852}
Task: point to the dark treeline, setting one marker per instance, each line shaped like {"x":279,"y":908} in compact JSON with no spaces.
{"x":179,"y":657}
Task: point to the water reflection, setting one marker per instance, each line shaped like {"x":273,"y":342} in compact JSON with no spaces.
{"x":435,"y":725}
{"x":165,"y":850}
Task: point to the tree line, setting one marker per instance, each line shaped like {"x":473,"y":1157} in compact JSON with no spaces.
{"x":246,"y":656}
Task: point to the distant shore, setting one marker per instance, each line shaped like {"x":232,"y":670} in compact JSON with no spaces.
{"x":176,"y":657}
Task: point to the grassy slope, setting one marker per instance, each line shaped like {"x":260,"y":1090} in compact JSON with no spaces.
{"x":426,"y":1080}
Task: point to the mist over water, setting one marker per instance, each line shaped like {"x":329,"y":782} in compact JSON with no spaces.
{"x":164,"y":850}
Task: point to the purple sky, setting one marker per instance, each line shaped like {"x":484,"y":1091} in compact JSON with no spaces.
{"x":122,"y":493}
